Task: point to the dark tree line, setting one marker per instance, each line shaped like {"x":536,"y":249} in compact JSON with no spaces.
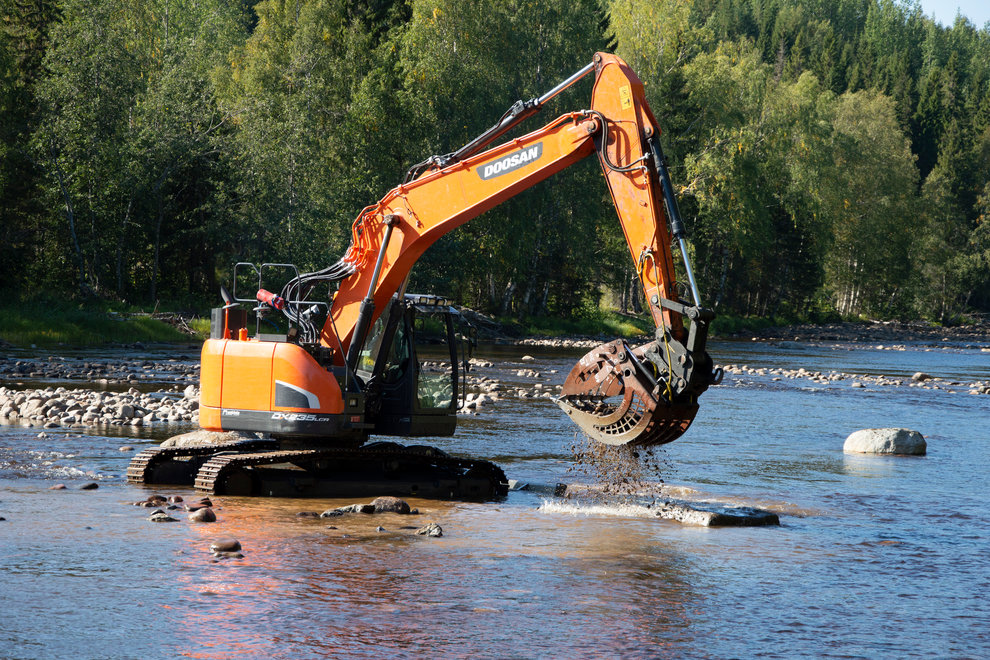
{"x":832,"y":156}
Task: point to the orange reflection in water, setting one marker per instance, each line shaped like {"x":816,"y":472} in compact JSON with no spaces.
{"x":563,"y":584}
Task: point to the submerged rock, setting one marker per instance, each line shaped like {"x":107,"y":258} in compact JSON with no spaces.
{"x":161,"y":516}
{"x":90,"y":486}
{"x":58,"y":487}
{"x":886,"y":441}
{"x":741,"y":516}
{"x":228,"y":555}
{"x":225,"y":545}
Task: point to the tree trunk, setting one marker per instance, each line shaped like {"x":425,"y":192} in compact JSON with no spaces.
{"x":158,"y":243}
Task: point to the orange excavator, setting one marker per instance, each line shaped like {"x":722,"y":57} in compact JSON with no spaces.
{"x":349,"y":363}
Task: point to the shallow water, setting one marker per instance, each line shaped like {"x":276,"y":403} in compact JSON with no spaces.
{"x":875,"y":556}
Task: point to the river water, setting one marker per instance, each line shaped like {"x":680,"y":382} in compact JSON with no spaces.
{"x":874,"y":557}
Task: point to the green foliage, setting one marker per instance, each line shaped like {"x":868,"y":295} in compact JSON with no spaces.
{"x":831,"y":157}
{"x":47,"y":323}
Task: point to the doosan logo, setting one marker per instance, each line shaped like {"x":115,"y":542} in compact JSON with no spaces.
{"x":513,"y":161}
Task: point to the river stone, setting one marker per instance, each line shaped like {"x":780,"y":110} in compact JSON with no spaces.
{"x":390,"y":505}
{"x":736,"y":516}
{"x":204,"y":438}
{"x":431,"y":529}
{"x":204,"y":515}
{"x":228,"y":555}
{"x":161,"y":516}
{"x":356,"y":508}
{"x":886,"y":441}
{"x":225,"y":545}
{"x":921,"y":377}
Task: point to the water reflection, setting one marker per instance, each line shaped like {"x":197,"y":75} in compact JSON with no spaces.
{"x":492,"y":580}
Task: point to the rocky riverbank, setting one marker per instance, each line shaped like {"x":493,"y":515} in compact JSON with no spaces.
{"x":883,"y":333}
{"x":101,"y":372}
{"x":919,"y":379}
{"x":54,"y":407}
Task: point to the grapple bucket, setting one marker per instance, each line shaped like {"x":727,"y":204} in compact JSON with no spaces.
{"x":618,"y":397}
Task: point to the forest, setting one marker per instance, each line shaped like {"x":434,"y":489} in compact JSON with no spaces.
{"x":832,"y":157}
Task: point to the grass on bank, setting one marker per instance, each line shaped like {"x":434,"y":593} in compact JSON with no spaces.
{"x":47,"y":323}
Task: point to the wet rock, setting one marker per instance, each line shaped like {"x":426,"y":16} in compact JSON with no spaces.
{"x":161,"y":516}
{"x":920,"y":377}
{"x":432,"y":529}
{"x":740,"y":516}
{"x":125,"y":448}
{"x":308,"y":514}
{"x":528,"y":358}
{"x":228,"y":555}
{"x":379,"y":529}
{"x":175,"y":499}
{"x":204,"y":515}
{"x":157,"y":500}
{"x":357,"y":508}
{"x":886,"y":441}
{"x":331,"y":513}
{"x":203,"y":503}
{"x":225,"y":545}
{"x":58,"y":487}
{"x":90,"y":486}
{"x":390,"y":505}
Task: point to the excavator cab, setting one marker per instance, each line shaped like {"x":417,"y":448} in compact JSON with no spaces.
{"x":409,"y":368}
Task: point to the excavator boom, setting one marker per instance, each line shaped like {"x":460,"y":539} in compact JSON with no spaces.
{"x":615,"y":395}
{"x":347,"y":367}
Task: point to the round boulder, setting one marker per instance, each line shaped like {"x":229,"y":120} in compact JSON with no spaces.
{"x":390,"y":505}
{"x":886,"y":441}
{"x":225,"y":545}
{"x":204,"y":515}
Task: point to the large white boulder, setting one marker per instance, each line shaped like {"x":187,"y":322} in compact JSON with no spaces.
{"x":886,"y":441}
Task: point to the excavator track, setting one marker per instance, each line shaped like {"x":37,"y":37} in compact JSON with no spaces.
{"x":179,"y":465}
{"x":378,"y":469}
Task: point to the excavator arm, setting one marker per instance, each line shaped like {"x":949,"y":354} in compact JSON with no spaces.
{"x":615,"y":394}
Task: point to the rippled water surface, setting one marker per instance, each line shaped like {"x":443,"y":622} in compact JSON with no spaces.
{"x":875,"y":556}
